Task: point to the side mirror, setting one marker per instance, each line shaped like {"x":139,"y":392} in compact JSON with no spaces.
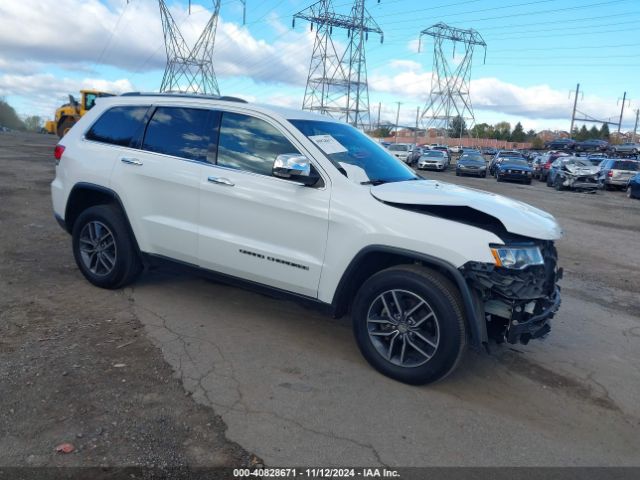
{"x":295,"y":167}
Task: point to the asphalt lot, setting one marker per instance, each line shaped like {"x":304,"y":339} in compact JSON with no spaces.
{"x":289,"y":384}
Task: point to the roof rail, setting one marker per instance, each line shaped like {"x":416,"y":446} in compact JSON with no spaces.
{"x":224,"y":98}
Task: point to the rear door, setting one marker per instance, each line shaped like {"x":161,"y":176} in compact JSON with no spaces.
{"x":160,"y":181}
{"x":256,"y":226}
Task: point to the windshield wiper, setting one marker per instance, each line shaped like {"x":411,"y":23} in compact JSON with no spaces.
{"x":379,"y":181}
{"x":374,"y":182}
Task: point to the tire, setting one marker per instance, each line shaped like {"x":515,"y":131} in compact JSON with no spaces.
{"x":498,"y":179}
{"x":457,"y":174}
{"x":440,"y":312}
{"x":629,"y":192}
{"x":557,"y":183}
{"x":65,"y":126}
{"x":119,"y":265}
{"x":485,"y":175}
{"x":528,"y":182}
{"x":548,"y":181}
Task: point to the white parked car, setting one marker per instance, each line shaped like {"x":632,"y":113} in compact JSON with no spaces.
{"x":401,"y":151}
{"x":433,"y":160}
{"x":307,"y":207}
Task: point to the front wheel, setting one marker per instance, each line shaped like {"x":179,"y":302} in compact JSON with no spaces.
{"x":409,"y":325}
{"x":104,"y":249}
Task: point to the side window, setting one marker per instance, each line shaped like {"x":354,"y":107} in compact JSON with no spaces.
{"x":181,"y":132}
{"x":118,"y":125}
{"x":250,"y":144}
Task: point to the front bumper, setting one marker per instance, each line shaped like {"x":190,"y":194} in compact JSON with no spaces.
{"x":432,"y":166}
{"x":514,"y":176}
{"x":536,"y":326}
{"x":516,"y":304}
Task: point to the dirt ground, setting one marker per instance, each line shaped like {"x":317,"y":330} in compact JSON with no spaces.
{"x":136,"y":377}
{"x":75,"y":366}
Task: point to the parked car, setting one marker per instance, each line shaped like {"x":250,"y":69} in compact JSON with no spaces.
{"x":561,"y":144}
{"x":615,"y":172}
{"x":574,"y":173}
{"x":471,"y":164}
{"x":401,"y":150}
{"x":433,"y":160}
{"x":500,"y":156}
{"x":474,"y":151}
{"x":592,"y":145}
{"x":416,"y":153}
{"x":633,"y":187}
{"x":627,"y":148}
{"x":536,"y":165}
{"x":514,"y":169}
{"x":455,"y":149}
{"x":489,"y":151}
{"x":298,"y":204}
{"x":443,"y":148}
{"x":546,"y":166}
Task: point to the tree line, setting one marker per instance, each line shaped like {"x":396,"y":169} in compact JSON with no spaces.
{"x":10,"y":119}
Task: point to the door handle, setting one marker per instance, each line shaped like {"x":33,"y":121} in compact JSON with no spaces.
{"x":131,"y":161}
{"x":221,"y":181}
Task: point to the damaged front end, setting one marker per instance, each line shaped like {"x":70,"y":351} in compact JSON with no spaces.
{"x":517,"y":300}
{"x":575,"y":177}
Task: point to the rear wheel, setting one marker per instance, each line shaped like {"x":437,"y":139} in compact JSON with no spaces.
{"x":409,"y":325}
{"x":557,"y":183}
{"x":104,"y":249}
{"x":629,"y":192}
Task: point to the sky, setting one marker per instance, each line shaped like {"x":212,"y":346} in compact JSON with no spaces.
{"x":537,"y":51}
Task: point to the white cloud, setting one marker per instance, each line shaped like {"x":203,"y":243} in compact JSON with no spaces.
{"x":45,"y":92}
{"x":130,"y":37}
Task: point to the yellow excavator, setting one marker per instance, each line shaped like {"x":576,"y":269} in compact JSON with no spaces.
{"x":69,"y":113}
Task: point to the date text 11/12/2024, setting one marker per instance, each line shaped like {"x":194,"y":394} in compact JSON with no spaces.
{"x":316,"y":472}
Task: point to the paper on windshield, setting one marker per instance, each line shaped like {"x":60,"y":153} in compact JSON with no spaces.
{"x":327,"y":144}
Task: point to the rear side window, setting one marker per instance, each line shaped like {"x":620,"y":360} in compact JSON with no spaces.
{"x":250,"y":144}
{"x":118,"y":125}
{"x":625,"y":165}
{"x":180,"y":132}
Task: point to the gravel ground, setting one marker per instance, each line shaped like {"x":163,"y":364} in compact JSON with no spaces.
{"x":75,"y":366}
{"x":133,"y":377}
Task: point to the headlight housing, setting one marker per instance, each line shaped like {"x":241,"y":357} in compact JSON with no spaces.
{"x":517,"y":257}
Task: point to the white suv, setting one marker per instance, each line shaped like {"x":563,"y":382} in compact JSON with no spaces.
{"x":303,"y":205}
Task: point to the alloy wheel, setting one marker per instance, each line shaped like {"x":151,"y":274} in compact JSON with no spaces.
{"x":403,"y":328}
{"x":98,"y":248}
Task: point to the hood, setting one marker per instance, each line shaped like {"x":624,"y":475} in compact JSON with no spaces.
{"x":517,"y":217}
{"x":518,"y":166}
{"x":581,"y":169}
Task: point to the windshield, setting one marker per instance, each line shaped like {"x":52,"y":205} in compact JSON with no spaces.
{"x":434,"y":153}
{"x":398,"y":148}
{"x":344,"y":144}
{"x":471,"y":158}
{"x":579,"y":163}
{"x":514,"y":161}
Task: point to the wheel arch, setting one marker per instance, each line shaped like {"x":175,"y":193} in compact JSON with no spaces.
{"x":85,"y":195}
{"x":375,"y":258}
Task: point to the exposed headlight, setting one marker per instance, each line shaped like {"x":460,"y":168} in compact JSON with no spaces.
{"x":517,"y":257}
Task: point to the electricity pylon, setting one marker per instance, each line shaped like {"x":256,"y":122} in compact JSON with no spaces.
{"x":449,"y":95}
{"x":337,"y":80}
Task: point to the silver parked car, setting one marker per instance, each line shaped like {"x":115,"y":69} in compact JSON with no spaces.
{"x":433,"y":160}
{"x":616,"y":173}
{"x":627,"y":148}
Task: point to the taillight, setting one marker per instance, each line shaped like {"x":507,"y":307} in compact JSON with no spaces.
{"x":57,"y":153}
{"x":610,"y":173}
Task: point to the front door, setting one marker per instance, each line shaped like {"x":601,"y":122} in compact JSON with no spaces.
{"x":253,"y":225}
